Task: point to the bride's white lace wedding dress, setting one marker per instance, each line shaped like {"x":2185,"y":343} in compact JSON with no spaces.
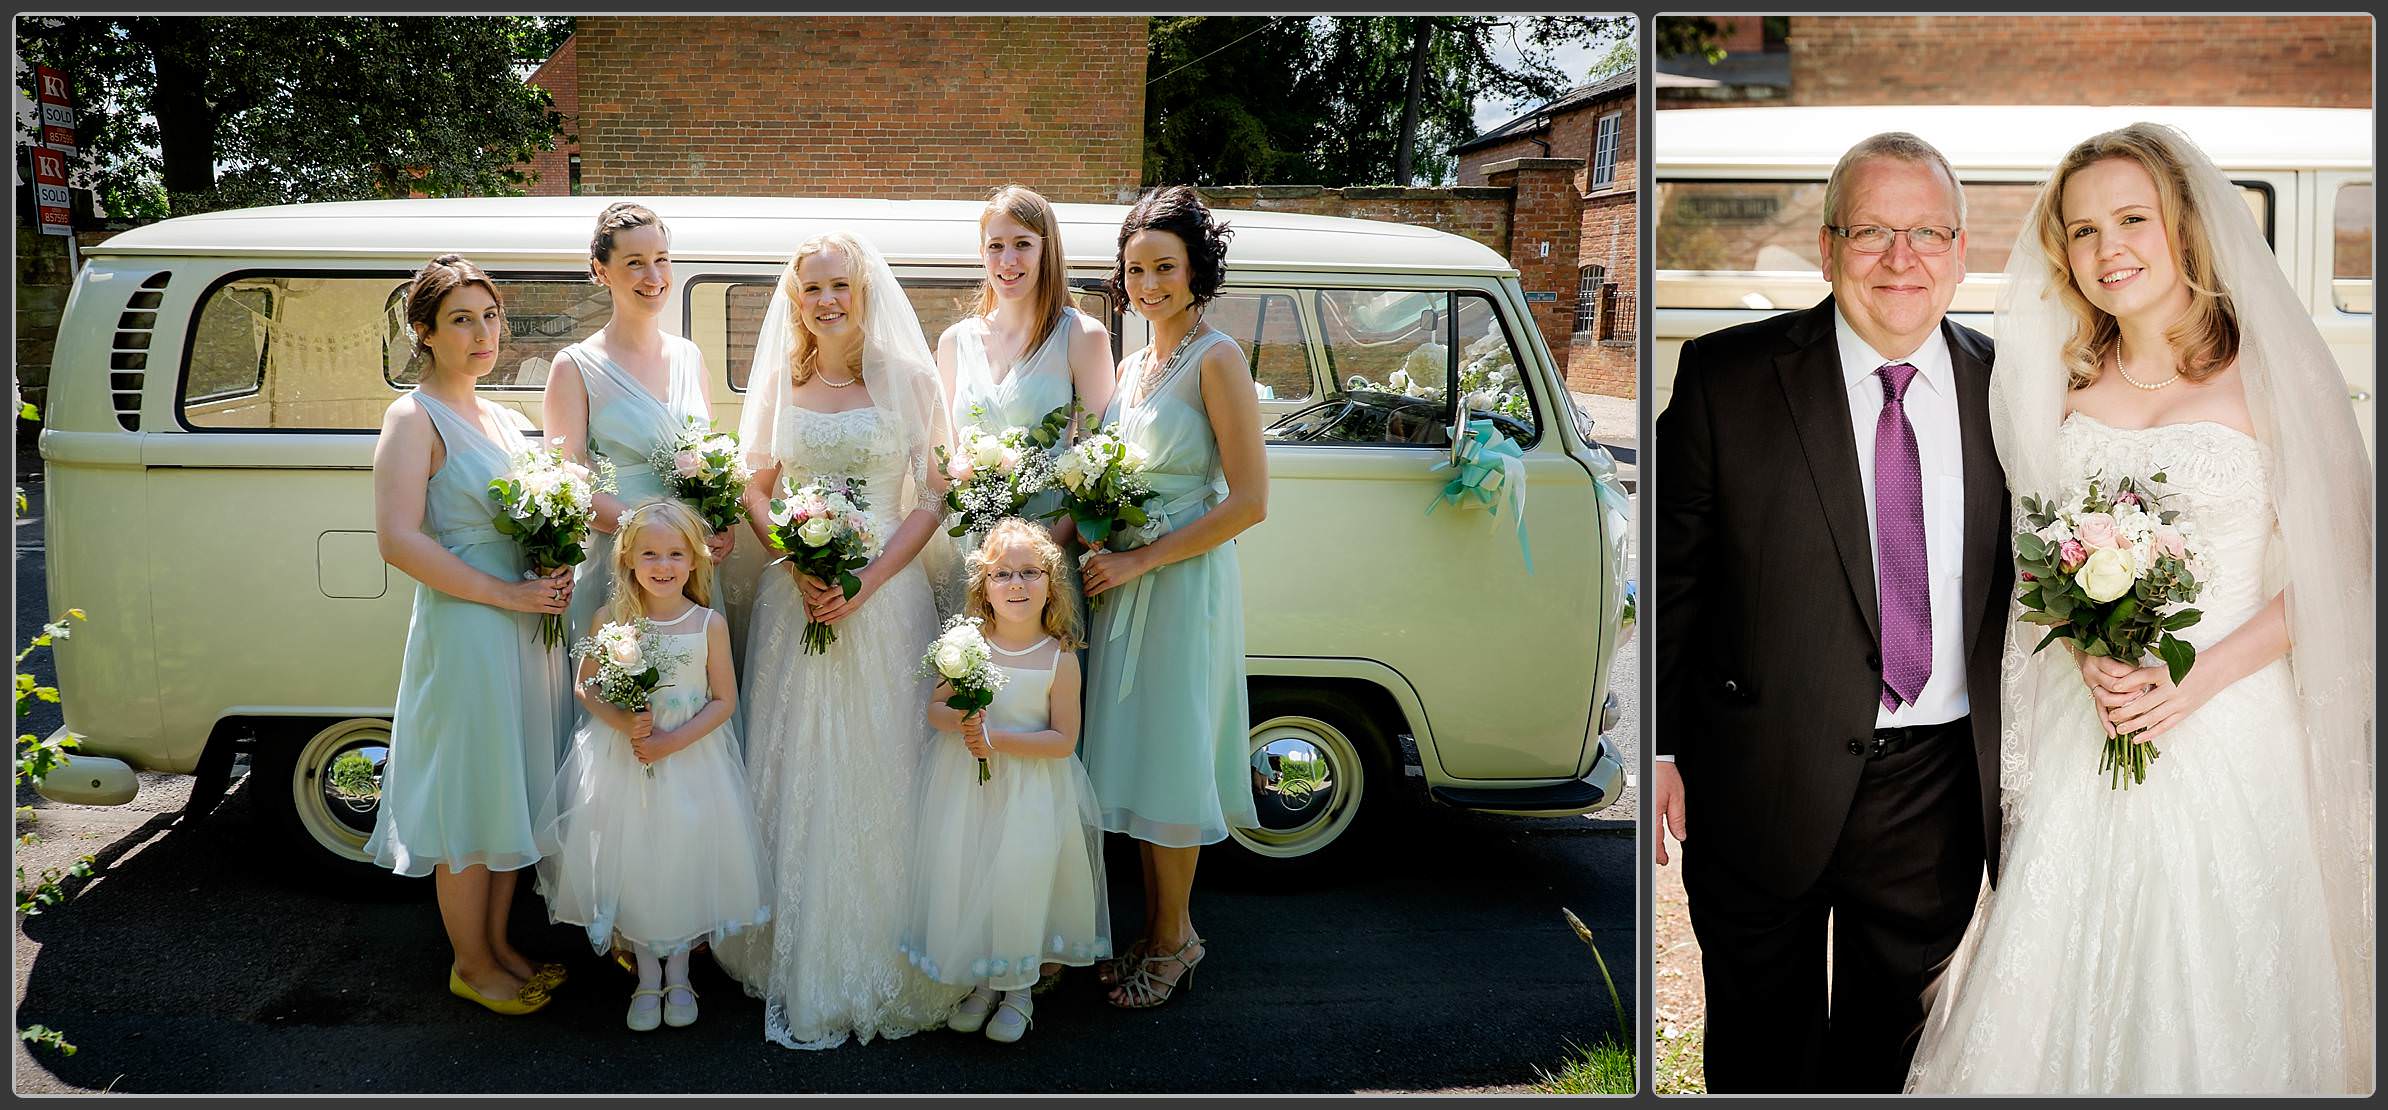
{"x":833,"y":755}
{"x":2167,"y":937}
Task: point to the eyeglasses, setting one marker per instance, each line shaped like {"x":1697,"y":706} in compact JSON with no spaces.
{"x":1026,"y":576}
{"x":1871,"y":239}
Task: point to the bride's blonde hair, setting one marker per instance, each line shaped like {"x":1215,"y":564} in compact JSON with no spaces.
{"x":1060,"y":617}
{"x":2206,"y":338}
{"x":671,"y":515}
{"x":802,"y":347}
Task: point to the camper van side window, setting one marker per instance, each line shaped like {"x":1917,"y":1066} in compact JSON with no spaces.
{"x":1268,"y":326}
{"x":2350,"y":266}
{"x":228,"y":349}
{"x":1392,"y":358}
{"x":545,"y":313}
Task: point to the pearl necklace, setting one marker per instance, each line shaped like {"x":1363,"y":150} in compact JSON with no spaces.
{"x":2118,"y":368}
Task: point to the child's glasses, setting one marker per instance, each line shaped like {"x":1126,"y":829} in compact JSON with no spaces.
{"x":1026,"y":576}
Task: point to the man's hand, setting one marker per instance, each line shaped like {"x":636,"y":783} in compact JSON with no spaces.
{"x":1666,"y":799}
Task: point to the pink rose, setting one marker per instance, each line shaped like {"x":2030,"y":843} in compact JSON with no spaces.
{"x":958,"y":468}
{"x":2168,"y":540}
{"x":687,"y":464}
{"x":2096,"y":530}
{"x":1011,"y":460}
{"x":2126,"y":498}
{"x":2071,"y":555}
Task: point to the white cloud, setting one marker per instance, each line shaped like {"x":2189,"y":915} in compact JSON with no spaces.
{"x":1575,"y":60}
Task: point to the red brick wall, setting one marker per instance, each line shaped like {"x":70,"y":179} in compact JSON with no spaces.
{"x":1472,"y":163}
{"x":560,"y":76}
{"x":1547,"y":212}
{"x":1481,"y":214}
{"x":1609,"y":236}
{"x":2296,"y":61}
{"x":898,"y":107}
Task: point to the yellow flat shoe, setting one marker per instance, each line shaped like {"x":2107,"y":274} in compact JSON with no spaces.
{"x":547,"y":976}
{"x":527,"y":1000}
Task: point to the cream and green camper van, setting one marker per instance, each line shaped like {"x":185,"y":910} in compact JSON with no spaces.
{"x":219,"y":380}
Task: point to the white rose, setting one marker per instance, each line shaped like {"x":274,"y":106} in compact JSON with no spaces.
{"x":1008,"y":460}
{"x":986,"y":452}
{"x":2106,"y":575}
{"x":816,"y":532}
{"x":1400,"y":381}
{"x":952,"y":661}
{"x":624,"y":653}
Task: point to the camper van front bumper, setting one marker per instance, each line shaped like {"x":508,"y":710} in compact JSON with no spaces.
{"x":89,"y":780}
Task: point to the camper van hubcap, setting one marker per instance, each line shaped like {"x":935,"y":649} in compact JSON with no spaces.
{"x":337,"y":784}
{"x":1307,"y":782}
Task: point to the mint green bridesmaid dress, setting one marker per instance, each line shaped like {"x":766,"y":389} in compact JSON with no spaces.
{"x":626,"y":423}
{"x":481,"y":714}
{"x":1166,"y":710}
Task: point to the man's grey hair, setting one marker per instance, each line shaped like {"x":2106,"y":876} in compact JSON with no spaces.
{"x":1890,"y":144}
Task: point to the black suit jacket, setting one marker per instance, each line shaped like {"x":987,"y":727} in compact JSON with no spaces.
{"x":1769,"y":659}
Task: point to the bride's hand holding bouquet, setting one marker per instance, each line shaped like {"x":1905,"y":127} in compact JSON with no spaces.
{"x":826,"y":536}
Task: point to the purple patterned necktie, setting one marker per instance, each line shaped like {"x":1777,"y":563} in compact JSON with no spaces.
{"x":1901,"y":565}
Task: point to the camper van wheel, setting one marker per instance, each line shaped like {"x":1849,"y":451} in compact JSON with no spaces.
{"x":1323,"y":775}
{"x":322,"y":786}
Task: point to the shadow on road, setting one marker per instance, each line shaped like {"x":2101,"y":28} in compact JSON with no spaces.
{"x":201,"y":961}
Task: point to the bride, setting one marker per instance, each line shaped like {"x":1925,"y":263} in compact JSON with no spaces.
{"x":843,"y":387}
{"x":2208,"y":930}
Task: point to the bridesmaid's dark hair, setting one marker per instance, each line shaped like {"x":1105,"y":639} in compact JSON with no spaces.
{"x":438,"y":278}
{"x":1178,"y":210}
{"x":618,"y":217}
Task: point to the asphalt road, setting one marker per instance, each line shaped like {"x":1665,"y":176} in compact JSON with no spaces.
{"x":199,"y":961}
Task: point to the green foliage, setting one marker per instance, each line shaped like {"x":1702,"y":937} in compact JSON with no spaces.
{"x":1605,"y":1069}
{"x":183,"y":114}
{"x":36,"y":758}
{"x":46,"y":1037}
{"x":1293,"y":100}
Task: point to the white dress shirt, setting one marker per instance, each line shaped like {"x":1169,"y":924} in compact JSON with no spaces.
{"x":1931,"y":404}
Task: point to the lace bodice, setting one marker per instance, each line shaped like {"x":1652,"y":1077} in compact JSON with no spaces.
{"x":2220,"y":479}
{"x":855,"y":443}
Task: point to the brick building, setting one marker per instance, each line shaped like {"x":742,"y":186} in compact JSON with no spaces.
{"x":2268,"y":60}
{"x":556,"y":171}
{"x":1573,"y":165}
{"x":897,"y":107}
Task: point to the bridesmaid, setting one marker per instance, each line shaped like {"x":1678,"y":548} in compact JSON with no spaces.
{"x":624,"y":391}
{"x":1024,"y":352}
{"x":1166,"y":710}
{"x":473,"y":738}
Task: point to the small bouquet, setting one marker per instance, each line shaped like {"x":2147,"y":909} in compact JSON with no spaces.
{"x":822,"y":528}
{"x":1488,"y":381}
{"x":1103,"y":488}
{"x":961,"y":657}
{"x":630,"y":659}
{"x":546,"y":503}
{"x":995,"y":473}
{"x":2111,"y":571}
{"x":705,"y":469}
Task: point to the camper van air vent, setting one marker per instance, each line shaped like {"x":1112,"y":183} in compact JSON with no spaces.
{"x":128,"y":357}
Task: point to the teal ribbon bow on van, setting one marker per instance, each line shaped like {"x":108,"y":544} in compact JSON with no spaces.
{"x":1182,"y":499}
{"x":1491,"y":469}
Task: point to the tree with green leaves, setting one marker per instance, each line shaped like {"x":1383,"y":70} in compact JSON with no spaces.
{"x":1341,"y":100}
{"x":182,"y":114}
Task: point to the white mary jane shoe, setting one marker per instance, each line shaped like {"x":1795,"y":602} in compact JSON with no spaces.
{"x":674,"y":1014}
{"x":972,"y":1013}
{"x":643,"y":1019}
{"x":1013,"y":1017}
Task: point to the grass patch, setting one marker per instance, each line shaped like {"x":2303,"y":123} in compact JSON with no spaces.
{"x":1678,"y":1070}
{"x":1603,"y":1069}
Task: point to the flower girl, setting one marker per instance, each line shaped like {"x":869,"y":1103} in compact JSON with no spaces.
{"x":1008,"y":873}
{"x":659,"y":848}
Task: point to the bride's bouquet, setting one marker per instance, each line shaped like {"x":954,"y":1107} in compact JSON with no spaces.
{"x":821,"y":527}
{"x":630,"y":659}
{"x":704,"y":468}
{"x":995,"y":473}
{"x":2111,"y":571}
{"x":1103,"y":488}
{"x":961,"y":657}
{"x":546,"y":503}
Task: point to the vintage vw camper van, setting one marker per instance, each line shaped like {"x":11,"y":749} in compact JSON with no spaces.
{"x":219,"y":381}
{"x":1741,"y":193}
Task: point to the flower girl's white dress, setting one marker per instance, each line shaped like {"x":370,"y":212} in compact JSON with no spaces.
{"x":1007,"y":875}
{"x":659,"y":861}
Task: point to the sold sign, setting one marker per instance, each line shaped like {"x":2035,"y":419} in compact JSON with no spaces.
{"x":49,"y":159}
